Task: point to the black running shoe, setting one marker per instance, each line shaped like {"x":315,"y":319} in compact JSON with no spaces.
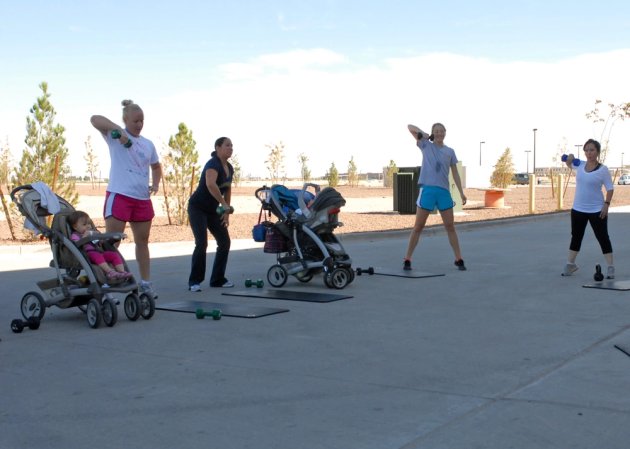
{"x":460,"y":265}
{"x":407,"y":265}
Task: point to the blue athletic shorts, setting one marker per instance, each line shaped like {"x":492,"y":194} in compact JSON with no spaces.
{"x":433,"y":197}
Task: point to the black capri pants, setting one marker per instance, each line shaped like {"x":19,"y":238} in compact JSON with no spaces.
{"x":599,"y":225}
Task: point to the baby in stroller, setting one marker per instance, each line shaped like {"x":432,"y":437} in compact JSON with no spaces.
{"x":78,"y":282}
{"x":82,"y":226}
{"x":305,"y":228}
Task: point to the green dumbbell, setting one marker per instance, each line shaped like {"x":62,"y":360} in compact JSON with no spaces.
{"x":214,"y":313}
{"x":116,"y":135}
{"x":249,"y":283}
{"x":221,"y":210}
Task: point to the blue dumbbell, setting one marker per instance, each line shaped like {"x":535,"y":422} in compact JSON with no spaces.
{"x":576,"y":161}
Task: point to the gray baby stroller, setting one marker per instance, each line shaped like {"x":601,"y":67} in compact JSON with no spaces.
{"x":77,"y":282}
{"x":304,"y":231}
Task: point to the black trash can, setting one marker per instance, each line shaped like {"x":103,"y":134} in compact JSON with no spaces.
{"x":404,"y":200}
{"x":405,"y":184}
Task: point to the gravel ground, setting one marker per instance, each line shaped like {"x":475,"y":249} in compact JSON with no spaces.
{"x":376,"y":214}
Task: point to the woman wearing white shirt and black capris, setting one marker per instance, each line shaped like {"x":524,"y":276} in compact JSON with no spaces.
{"x":590,"y":206}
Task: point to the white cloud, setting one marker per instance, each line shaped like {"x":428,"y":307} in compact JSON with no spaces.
{"x":318,"y":103}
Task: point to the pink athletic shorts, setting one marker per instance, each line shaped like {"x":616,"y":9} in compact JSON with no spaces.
{"x":127,"y":209}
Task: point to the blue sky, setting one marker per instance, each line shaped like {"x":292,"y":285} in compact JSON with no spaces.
{"x":332,"y":79}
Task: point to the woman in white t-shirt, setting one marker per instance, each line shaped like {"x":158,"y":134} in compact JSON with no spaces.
{"x":590,"y":206}
{"x":134,"y":175}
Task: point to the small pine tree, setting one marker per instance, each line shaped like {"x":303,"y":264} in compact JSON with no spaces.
{"x":388,"y":178}
{"x":91,"y":160}
{"x":236,"y":165}
{"x":304,"y":170}
{"x":181,"y":159}
{"x":46,"y":157}
{"x":503,"y":171}
{"x":353,"y":173}
{"x":332,"y":176}
{"x":5,"y":164}
{"x":275,"y":161}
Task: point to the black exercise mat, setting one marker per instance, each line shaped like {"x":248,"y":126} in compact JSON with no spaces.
{"x":623,"y":348}
{"x":232,"y":310}
{"x":609,"y":284}
{"x":288,"y":295}
{"x":401,"y":273}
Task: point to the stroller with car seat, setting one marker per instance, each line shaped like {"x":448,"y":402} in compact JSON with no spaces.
{"x":77,"y":282}
{"x":306,"y":220}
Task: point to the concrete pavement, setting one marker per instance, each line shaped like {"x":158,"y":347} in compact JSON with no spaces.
{"x":508,"y":354}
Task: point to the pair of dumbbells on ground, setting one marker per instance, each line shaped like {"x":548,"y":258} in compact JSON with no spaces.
{"x":18,"y":325}
{"x":369,"y":271}
{"x":257,"y":283}
{"x":215,"y":314}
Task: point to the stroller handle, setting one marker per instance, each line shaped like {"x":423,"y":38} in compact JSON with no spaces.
{"x":111,"y":237}
{"x":259,"y":193}
{"x":17,"y":189}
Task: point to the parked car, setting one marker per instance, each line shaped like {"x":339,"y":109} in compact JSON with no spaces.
{"x":521,"y":178}
{"x":624,"y":179}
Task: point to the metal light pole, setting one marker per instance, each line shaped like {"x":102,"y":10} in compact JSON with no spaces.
{"x":622,"y":163}
{"x":527,"y":155}
{"x":534,"y":169}
{"x":480,"y":151}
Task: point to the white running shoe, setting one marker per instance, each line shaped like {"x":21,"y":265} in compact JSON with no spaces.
{"x":569,"y":269}
{"x":147,"y":287}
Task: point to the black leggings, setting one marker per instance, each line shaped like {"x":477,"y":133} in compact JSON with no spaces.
{"x":599,"y":225}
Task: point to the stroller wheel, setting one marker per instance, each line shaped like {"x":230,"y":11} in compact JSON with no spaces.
{"x":351,"y":274}
{"x":277,"y":276}
{"x":33,"y":305}
{"x":110,"y":312}
{"x":147,"y":306}
{"x":132,"y":306}
{"x":338,"y":278}
{"x":94,"y":314}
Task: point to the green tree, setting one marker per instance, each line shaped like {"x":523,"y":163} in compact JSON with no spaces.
{"x":275,"y":161}
{"x":388,"y":178}
{"x":332,"y":176}
{"x":181,"y":162}
{"x":304,"y":170}
{"x":45,"y":150}
{"x":353,"y":173}
{"x":503,"y":171}
{"x":236,"y":178}
{"x":10,"y":211}
{"x":91,"y":160}
{"x":5,"y":164}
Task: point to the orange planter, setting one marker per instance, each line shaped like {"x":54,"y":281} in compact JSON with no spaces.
{"x":495,"y":198}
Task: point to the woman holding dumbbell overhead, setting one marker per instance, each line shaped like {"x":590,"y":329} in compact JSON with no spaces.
{"x":589,"y":205}
{"x":437,"y":160}
{"x":209,"y":210}
{"x":128,"y":197}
